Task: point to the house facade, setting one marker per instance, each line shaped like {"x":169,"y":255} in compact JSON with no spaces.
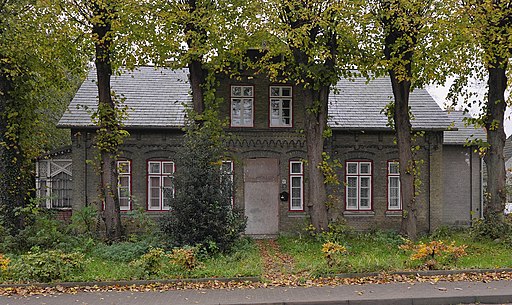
{"x":266,"y":153}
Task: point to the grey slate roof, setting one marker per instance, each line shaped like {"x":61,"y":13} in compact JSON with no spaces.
{"x":155,"y":98}
{"x":463,"y":133}
{"x":357,"y":105}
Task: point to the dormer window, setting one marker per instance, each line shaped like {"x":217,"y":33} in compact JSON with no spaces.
{"x":242,"y":106}
{"x":280,"y":106}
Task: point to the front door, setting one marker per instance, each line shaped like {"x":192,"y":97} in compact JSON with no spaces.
{"x":261,"y":192}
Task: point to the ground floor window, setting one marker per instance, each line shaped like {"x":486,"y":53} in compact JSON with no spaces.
{"x":226,"y":171}
{"x":160,"y":184}
{"x":124,"y":184}
{"x":296,"y":186}
{"x":358,"y":189}
{"x":54,"y":183}
{"x":394,"y":202}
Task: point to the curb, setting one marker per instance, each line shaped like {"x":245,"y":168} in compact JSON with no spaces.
{"x":133,"y":283}
{"x":255,"y":279}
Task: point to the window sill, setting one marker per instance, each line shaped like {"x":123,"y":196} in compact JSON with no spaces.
{"x":397,"y":213}
{"x":297,"y":214}
{"x":359,"y":213}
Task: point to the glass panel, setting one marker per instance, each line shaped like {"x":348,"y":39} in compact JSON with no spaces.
{"x":365,"y":182}
{"x":168,"y":168}
{"x":124,"y":181}
{"x":154,"y":167}
{"x":286,"y":104}
{"x":124,"y":203}
{"x":351,"y":168}
{"x":155,"y":203}
{"x":286,"y":113}
{"x":296,"y":168}
{"x":226,"y":167}
{"x":352,"y":202}
{"x":123,"y":167}
{"x":296,"y":203}
{"x":365,"y":202}
{"x":296,"y":193}
{"x":393,"y":202}
{"x":286,"y":91}
{"x":274,"y":91}
{"x":247,"y":91}
{"x":393,"y":168}
{"x":394,"y":182}
{"x":364,"y":168}
{"x":167,"y":182}
{"x":236,"y":91}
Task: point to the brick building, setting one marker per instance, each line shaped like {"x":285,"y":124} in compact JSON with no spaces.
{"x":266,"y":154}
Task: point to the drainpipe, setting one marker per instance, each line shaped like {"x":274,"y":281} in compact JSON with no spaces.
{"x":470,"y":150}
{"x":481,"y":188}
{"x":429,"y":147}
{"x":86,"y":189}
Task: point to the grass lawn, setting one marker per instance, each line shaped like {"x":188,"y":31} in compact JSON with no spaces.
{"x":366,"y":252}
{"x":380,"y":252}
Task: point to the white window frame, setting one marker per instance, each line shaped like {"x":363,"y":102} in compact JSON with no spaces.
{"x":293,"y":175}
{"x":45,"y":186}
{"x":394,"y":176}
{"x":242,"y":99}
{"x":359,"y":176}
{"x":279,"y":98}
{"x":124,"y":174}
{"x":161,"y":175}
{"x":230,"y":174}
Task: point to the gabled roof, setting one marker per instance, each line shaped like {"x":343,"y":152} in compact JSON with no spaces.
{"x":462,"y":133}
{"x":356,"y":104}
{"x":155,"y":98}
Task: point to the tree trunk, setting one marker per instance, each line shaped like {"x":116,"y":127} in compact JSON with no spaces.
{"x":108,"y":171}
{"x":403,"y":130}
{"x":12,"y":182}
{"x":494,"y":158}
{"x":197,"y":79}
{"x":315,"y":109}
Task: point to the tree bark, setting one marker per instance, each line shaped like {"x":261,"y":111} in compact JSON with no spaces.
{"x":108,"y":171}
{"x":315,"y":111}
{"x":197,"y":37}
{"x":403,"y":130}
{"x":399,"y":42}
{"x":494,"y":158}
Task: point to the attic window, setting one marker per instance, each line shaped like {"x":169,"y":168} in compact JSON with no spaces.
{"x":280,"y":106}
{"x":242,"y":101}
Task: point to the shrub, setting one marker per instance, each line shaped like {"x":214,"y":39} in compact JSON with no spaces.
{"x":47,"y":266}
{"x":4,"y":266}
{"x":493,"y":227}
{"x":151,"y":263}
{"x":83,"y":221}
{"x":435,"y":254}
{"x":337,"y":232}
{"x":43,"y":231}
{"x":184,"y":258}
{"x":333,"y":252}
{"x":201,"y":211}
{"x":123,"y":251}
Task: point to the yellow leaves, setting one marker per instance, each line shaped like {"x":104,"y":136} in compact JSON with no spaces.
{"x":434,"y":252}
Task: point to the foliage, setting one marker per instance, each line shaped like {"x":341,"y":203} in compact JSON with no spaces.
{"x":122,"y":251}
{"x":47,"y":266}
{"x":337,"y":232}
{"x":83,"y":220}
{"x":151,"y":263}
{"x":332,"y":253}
{"x":185,"y":258}
{"x":491,"y":228}
{"x":43,"y":231}
{"x":32,"y":96}
{"x":435,"y":254}
{"x":4,"y":266}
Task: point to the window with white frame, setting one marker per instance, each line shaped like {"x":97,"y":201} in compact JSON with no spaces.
{"x":394,"y":201}
{"x":358,"y":189}
{"x":296,"y":186}
{"x":226,"y":171}
{"x":280,"y":106}
{"x":54,"y":183}
{"x":242,"y":100}
{"x":160,"y":185}
{"x":124,"y":184}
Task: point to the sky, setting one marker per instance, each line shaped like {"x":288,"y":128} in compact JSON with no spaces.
{"x":439,"y":94}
